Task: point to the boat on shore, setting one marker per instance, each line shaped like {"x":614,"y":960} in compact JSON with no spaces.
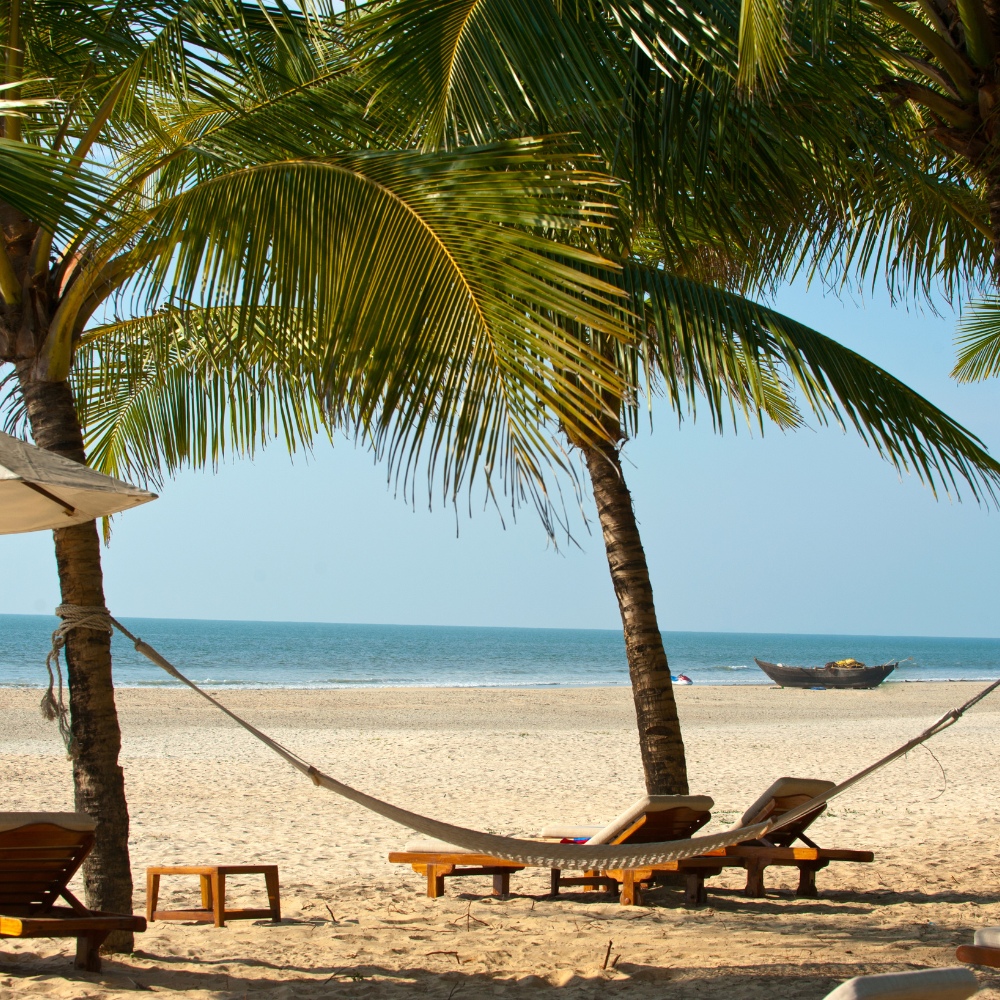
{"x":830,"y":676}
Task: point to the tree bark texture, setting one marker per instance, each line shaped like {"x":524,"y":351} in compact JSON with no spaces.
{"x":99,"y":782}
{"x":660,"y":739}
{"x":993,"y":194}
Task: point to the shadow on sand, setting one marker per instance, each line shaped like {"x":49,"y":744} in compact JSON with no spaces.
{"x":799,"y":981}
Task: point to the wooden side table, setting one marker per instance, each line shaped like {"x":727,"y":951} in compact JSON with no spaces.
{"x":213,"y":893}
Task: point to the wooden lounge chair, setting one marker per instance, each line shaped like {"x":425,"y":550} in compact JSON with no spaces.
{"x":954,"y":983}
{"x":985,"y":949}
{"x":755,"y":856}
{"x":39,"y":854}
{"x":777,"y":847}
{"x":649,"y":820}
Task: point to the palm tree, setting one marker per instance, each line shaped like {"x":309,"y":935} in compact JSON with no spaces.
{"x":166,"y":389}
{"x":713,"y":188}
{"x":145,"y":169}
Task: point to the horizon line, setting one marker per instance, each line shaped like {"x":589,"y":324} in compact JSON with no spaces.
{"x":522,"y":628}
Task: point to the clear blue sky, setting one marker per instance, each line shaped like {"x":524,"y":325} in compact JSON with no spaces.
{"x":801,"y":532}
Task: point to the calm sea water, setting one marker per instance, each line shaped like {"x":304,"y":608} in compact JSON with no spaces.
{"x":296,"y":654}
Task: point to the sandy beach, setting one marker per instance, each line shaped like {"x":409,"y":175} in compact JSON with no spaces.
{"x":201,"y":791}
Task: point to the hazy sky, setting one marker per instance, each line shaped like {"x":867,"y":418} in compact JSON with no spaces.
{"x":802,"y":532}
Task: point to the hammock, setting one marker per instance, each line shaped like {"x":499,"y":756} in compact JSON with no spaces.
{"x":527,"y":852}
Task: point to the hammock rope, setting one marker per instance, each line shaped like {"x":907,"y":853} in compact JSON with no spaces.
{"x":53,"y":706}
{"x":533,"y":853}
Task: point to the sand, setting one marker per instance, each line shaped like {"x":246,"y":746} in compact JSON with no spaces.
{"x":201,"y":791}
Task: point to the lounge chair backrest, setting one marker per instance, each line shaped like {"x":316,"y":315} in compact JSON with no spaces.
{"x":655,"y":818}
{"x":783,"y":795}
{"x":955,"y":983}
{"x":39,"y":854}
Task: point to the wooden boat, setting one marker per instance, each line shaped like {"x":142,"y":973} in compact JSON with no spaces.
{"x":827,"y":677}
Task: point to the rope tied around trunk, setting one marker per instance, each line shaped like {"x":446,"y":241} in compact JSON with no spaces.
{"x":528,"y":852}
{"x":73,"y":616}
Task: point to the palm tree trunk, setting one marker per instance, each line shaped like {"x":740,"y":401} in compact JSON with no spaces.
{"x":660,"y":739}
{"x":993,"y":197}
{"x":98,"y":780}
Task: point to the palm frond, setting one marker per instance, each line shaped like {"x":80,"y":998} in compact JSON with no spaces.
{"x":978,"y":342}
{"x":396,"y":243}
{"x":805,"y":178}
{"x":765,"y":43}
{"x":180,"y":388}
{"x":482,"y":63}
{"x":416,"y":295}
{"x":729,"y":349}
{"x":39,"y":184}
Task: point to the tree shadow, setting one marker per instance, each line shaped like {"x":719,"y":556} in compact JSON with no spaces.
{"x":641,"y":981}
{"x":798,"y":981}
{"x":775,"y":900}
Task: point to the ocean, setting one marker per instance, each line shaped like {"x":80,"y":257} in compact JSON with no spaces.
{"x":307,"y":655}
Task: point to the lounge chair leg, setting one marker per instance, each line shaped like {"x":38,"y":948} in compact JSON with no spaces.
{"x":435,"y":882}
{"x":554,"y":874}
{"x":501,"y":884}
{"x":590,"y":873}
{"x":694,"y":890}
{"x":631,"y":894}
{"x":755,"y":880}
{"x":152,"y":894}
{"x":88,"y":951}
{"x":807,"y":882}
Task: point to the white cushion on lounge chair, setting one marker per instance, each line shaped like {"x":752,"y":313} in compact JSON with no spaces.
{"x":987,"y":937}
{"x":80,"y":822}
{"x":955,"y":983}
{"x":648,"y":804}
{"x":428,"y":845}
{"x":566,"y":831}
{"x":783,"y":787}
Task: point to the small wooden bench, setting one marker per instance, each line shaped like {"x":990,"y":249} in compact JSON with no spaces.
{"x":213,"y":893}
{"x":39,"y":854}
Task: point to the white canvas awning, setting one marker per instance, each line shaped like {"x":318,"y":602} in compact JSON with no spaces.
{"x":39,"y":490}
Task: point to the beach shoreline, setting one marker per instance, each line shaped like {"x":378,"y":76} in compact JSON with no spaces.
{"x":220,"y":689}
{"x":201,"y":791}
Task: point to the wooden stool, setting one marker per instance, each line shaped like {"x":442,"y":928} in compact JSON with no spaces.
{"x":213,"y":893}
